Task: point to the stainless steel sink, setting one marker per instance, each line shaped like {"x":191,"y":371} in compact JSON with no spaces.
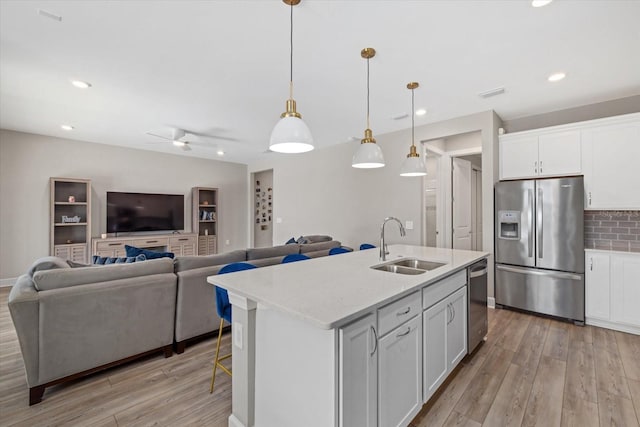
{"x":409,"y":266}
{"x":398,"y":269}
{"x":418,"y":263}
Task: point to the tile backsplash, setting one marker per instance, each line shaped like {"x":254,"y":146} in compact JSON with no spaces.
{"x":612,"y":230}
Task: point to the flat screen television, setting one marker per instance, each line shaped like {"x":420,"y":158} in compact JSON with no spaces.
{"x":129,"y":212}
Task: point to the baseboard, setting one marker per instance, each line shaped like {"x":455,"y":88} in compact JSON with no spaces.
{"x":491,"y":302}
{"x":235,"y":422}
{"x":8,"y":282}
{"x":622,"y":327}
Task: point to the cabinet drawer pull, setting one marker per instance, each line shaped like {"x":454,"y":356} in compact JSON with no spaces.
{"x":402,"y":334}
{"x":402,"y":313}
{"x":183,"y":239}
{"x":151,"y":241}
{"x":115,"y":244}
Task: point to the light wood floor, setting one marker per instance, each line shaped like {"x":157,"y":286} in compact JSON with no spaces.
{"x":531,"y":371}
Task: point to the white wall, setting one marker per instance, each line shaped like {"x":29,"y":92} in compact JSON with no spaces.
{"x":320,"y":193}
{"x":27,"y":161}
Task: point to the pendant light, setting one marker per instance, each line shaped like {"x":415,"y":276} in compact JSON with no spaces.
{"x":413,"y":164}
{"x":369,"y":154}
{"x":291,"y":134}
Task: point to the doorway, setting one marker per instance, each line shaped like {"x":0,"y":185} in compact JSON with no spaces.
{"x":262,"y":208}
{"x":453,"y":192}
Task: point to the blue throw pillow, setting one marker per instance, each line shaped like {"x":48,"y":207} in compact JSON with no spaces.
{"x":100,"y":260}
{"x":133,"y":251}
{"x":290,"y":241}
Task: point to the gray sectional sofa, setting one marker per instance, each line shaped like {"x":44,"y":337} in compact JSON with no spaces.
{"x":72,"y":322}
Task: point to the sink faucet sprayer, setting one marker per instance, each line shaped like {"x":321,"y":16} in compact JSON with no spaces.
{"x":383,"y":247}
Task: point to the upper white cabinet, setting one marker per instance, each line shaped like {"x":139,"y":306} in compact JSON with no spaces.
{"x":534,"y":154}
{"x":610,"y":160}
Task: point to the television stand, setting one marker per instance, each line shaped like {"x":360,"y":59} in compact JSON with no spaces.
{"x":179,"y":244}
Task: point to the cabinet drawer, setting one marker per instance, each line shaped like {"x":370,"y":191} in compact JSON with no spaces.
{"x":183,"y":240}
{"x":109,"y":246}
{"x":434,"y":292}
{"x":151,"y":242}
{"x":398,"y":312}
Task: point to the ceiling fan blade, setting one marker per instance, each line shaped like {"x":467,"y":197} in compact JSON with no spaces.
{"x":159,"y":136}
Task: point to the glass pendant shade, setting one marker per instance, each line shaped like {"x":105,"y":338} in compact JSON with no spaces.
{"x":291,"y":135}
{"x":368,"y":156}
{"x":413,"y":166}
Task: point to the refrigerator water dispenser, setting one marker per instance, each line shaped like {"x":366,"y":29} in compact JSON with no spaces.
{"x":509,"y":225}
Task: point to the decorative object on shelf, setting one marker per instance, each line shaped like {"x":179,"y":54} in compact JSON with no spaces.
{"x":70,"y":219}
{"x":369,"y":154}
{"x":413,"y":164}
{"x":69,"y":241}
{"x":205,"y":202}
{"x":291,"y":134}
{"x":103,"y":235}
{"x":72,"y":199}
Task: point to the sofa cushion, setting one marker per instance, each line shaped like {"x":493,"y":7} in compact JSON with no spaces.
{"x":276,"y":251}
{"x":47,"y":263}
{"x":315,"y":238}
{"x":183,"y":263}
{"x":320,"y":246}
{"x":105,"y":260}
{"x":62,"y":278}
{"x":132,"y":251}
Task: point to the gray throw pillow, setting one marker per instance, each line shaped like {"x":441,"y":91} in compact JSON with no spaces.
{"x":315,"y":238}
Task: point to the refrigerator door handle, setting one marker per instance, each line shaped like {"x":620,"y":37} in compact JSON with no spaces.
{"x":556,"y":274}
{"x":540,"y":220}
{"x":530,"y":242}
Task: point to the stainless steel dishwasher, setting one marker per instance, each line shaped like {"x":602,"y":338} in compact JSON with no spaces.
{"x":477,"y":325}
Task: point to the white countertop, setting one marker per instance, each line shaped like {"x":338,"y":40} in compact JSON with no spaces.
{"x":331,"y":291}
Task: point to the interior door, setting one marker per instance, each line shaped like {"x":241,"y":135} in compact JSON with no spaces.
{"x":461,"y":203}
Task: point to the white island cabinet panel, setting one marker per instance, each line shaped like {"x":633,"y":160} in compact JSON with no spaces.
{"x":597,"y":286}
{"x":400,"y":374}
{"x":435,"y":321}
{"x":457,"y":328}
{"x":359,"y":374}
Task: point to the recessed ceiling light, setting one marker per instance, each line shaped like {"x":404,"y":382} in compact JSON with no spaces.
{"x":66,"y":127}
{"x":220,"y":153}
{"x":540,"y":3}
{"x":80,"y":84}
{"x":178,"y":143}
{"x":556,"y":77}
{"x":421,"y":112}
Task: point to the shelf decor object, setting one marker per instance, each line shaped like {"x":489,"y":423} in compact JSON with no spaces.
{"x":291,"y":134}
{"x":413,"y":164}
{"x":70,"y":218}
{"x":369,"y":154}
{"x":205,"y":219}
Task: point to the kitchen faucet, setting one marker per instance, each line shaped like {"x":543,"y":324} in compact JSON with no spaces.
{"x":383,"y":247}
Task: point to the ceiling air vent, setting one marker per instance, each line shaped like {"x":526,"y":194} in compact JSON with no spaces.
{"x":492,"y":92}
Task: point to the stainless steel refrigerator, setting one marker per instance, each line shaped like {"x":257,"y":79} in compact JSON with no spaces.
{"x":540,"y":246}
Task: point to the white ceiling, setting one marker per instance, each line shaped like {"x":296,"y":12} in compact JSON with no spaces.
{"x":221,"y":67}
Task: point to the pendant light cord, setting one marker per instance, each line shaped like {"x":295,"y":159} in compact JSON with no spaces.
{"x":291,"y":54}
{"x":368,"y":126}
{"x":412,"y":118}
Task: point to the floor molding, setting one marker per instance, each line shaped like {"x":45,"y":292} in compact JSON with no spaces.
{"x":8,"y":283}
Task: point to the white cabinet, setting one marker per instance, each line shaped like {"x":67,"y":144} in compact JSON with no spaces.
{"x":625,"y":289}
{"x":612,"y":283}
{"x":597,"y":286}
{"x":610,"y":155}
{"x":359,"y":373}
{"x":400,"y":374}
{"x":542,"y":153}
{"x":444,"y":340}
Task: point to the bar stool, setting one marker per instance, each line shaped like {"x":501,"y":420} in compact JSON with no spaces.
{"x":223,"y":306}
{"x":338,"y":250}
{"x":366,"y":246}
{"x":294,"y":258}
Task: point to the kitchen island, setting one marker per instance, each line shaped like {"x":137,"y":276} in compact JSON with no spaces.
{"x":333,"y":342}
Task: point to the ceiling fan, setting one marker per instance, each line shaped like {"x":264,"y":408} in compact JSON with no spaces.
{"x":179,"y":138}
